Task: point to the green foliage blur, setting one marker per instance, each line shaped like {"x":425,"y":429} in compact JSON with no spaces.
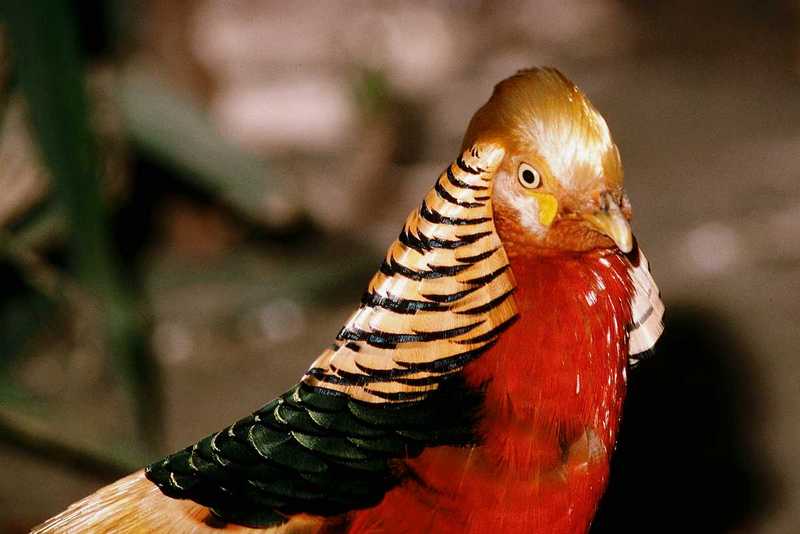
{"x":68,"y":258}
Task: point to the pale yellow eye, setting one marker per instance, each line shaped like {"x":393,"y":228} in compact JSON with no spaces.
{"x":528,"y":176}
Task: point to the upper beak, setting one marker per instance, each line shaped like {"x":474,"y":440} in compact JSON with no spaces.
{"x":610,"y":221}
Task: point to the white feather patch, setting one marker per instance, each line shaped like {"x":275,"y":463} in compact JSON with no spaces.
{"x":647,"y":308}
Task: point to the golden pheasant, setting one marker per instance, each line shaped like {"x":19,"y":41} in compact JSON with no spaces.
{"x":479,"y":385}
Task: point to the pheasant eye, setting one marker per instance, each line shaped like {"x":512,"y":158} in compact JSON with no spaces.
{"x":529,"y":177}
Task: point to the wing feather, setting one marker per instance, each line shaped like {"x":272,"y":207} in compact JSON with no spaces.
{"x":386,"y":389}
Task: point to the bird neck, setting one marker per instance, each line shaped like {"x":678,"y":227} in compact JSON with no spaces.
{"x":561,"y":368}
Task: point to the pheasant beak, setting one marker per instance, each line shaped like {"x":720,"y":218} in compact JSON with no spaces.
{"x":610,"y":221}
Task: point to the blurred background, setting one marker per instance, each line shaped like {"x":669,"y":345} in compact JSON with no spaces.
{"x":193,"y":195}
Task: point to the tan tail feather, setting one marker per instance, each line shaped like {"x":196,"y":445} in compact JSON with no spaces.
{"x":135,"y":505}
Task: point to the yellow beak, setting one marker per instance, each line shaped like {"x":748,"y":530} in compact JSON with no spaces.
{"x":612,"y":222}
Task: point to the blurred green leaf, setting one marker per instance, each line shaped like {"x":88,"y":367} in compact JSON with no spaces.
{"x":41,"y":226}
{"x":172,"y":128}
{"x":47,"y":63}
{"x":21,"y":318}
{"x":372,"y":93}
{"x":37,"y":441}
{"x":311,"y":278}
{"x":12,"y":394}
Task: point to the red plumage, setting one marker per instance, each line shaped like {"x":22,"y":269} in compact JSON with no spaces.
{"x":546,"y":381}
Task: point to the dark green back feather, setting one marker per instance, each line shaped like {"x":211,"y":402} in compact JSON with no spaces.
{"x":314,"y":451}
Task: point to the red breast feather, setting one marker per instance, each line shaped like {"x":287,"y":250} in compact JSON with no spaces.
{"x":554,"y":387}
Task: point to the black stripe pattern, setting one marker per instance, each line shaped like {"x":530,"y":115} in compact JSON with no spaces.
{"x":444,"y":284}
